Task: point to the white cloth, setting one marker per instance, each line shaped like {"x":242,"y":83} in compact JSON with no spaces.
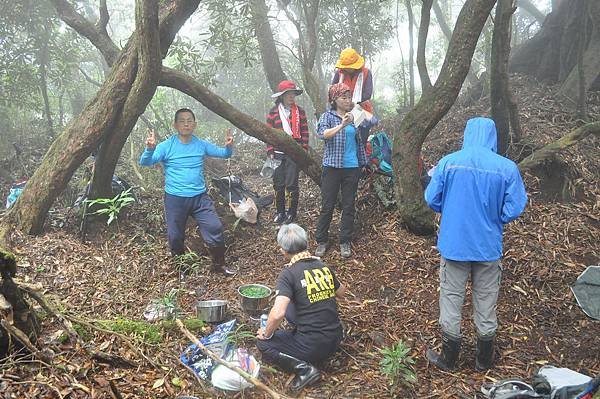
{"x":284,"y":115}
{"x":358,"y":87}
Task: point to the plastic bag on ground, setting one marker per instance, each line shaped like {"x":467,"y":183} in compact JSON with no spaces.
{"x":224,"y":378}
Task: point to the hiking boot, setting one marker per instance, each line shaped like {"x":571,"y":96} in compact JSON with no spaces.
{"x":345,"y":250}
{"x":306,"y":373}
{"x":280,"y":207}
{"x":448,"y":358}
{"x":279,"y":218}
{"x":290,"y":218}
{"x":484,"y":357}
{"x":293,"y":208}
{"x":321,"y":249}
{"x":218,"y":261}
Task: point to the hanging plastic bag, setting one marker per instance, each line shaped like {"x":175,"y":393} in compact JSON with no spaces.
{"x":269,"y":167}
{"x":246,"y":209}
{"x":224,"y":378}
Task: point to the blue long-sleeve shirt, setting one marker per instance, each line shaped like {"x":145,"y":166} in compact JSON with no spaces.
{"x":477,"y":192}
{"x":183,"y":163}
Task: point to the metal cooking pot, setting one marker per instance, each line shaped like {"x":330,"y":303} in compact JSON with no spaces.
{"x":211,"y":311}
{"x":254,"y":306}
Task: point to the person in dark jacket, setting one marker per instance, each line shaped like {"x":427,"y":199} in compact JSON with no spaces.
{"x":306,"y":297}
{"x":477,"y":192}
{"x":288,"y":117}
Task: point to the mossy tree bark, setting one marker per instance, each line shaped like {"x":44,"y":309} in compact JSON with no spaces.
{"x":430,"y":109}
{"x":15,"y":310}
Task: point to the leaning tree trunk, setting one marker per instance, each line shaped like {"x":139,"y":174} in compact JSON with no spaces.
{"x":430,"y":109}
{"x":77,"y":141}
{"x":186,"y":84}
{"x":182,"y":82}
{"x":504,"y":107}
{"x":13,"y":307}
{"x":266,"y":43}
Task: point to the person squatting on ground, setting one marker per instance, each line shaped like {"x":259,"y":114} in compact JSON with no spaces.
{"x":182,"y":156}
{"x":343,"y":158}
{"x":351,"y":70}
{"x":291,"y":119}
{"x":477,"y":192}
{"x":306,"y":297}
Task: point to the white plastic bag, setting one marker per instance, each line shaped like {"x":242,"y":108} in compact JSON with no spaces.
{"x":229,"y":380}
{"x":245,"y":210}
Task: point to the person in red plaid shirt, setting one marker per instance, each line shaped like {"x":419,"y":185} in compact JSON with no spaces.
{"x":290,"y":119}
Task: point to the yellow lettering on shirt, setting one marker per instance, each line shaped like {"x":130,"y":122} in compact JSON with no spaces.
{"x":319,"y":284}
{"x":329,"y":275}
{"x":310,"y":283}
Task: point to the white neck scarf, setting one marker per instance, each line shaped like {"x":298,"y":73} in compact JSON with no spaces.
{"x":357,"y":93}
{"x":285,"y":121}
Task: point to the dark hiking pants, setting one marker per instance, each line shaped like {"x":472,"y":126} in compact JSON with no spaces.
{"x":177,"y":211}
{"x":332,"y":181}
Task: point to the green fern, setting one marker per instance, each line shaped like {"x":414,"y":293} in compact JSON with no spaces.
{"x":112,"y":206}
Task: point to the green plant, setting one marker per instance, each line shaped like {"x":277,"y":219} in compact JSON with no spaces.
{"x":112,"y":206}
{"x":240,"y":335}
{"x":397,"y":365}
{"x":188,"y":262}
{"x":168,"y":303}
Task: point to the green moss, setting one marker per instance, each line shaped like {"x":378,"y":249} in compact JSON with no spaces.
{"x":82,"y":331}
{"x":148,"y":332}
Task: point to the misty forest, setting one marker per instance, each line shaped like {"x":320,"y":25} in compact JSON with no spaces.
{"x":168,"y":168}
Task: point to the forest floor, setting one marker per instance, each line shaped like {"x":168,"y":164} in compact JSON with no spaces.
{"x":392,"y":280}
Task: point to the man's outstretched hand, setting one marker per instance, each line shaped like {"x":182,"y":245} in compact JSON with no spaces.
{"x":228,"y":137}
{"x":151,"y":139}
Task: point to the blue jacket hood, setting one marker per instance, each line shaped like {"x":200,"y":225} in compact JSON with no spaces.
{"x":480,"y":132}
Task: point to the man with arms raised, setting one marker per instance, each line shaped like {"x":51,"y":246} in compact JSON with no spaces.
{"x":182,"y":156}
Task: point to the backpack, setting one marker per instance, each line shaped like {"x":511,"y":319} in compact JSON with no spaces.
{"x":379,"y":152}
{"x":15,"y":190}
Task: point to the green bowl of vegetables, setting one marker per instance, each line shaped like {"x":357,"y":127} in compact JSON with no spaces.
{"x":254,"y":298}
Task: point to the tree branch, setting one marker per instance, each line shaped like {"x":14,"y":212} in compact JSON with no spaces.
{"x":81,"y":25}
{"x":568,"y":140}
{"x":104,"y":18}
{"x":422,"y":44}
{"x":186,"y":84}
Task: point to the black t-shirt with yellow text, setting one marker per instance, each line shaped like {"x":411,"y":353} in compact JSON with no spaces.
{"x":311,"y":287}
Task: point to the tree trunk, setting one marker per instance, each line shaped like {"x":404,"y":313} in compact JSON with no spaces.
{"x":144,"y":86}
{"x":411,"y":61}
{"x":550,"y":56}
{"x":13,"y":307}
{"x":591,"y":59}
{"x":43,"y":60}
{"x":179,"y":81}
{"x":266,"y":43}
{"x":422,"y":44}
{"x":504,"y":108}
{"x":430,"y":109}
{"x":441,"y":19}
{"x":81,"y":136}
